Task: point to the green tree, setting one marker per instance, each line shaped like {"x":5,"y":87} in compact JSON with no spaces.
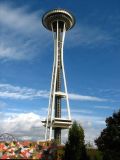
{"x":109,"y":140}
{"x":75,"y":146}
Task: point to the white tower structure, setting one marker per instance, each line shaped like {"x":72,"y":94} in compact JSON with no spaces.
{"x":58,"y":21}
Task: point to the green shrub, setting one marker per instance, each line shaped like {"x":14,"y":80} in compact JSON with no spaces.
{"x":94,"y":154}
{"x":75,"y":146}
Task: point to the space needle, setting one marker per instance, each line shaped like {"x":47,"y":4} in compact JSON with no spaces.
{"x":58,"y":21}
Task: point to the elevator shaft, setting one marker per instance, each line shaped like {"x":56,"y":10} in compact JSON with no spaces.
{"x":57,"y":131}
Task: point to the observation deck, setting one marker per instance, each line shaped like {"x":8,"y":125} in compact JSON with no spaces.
{"x":60,"y":15}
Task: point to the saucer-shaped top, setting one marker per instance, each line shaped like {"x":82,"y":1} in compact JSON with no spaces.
{"x":60,"y":15}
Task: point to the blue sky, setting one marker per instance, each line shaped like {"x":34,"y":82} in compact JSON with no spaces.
{"x":91,"y":57}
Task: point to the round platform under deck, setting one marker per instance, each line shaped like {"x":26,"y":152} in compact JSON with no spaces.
{"x":59,"y":123}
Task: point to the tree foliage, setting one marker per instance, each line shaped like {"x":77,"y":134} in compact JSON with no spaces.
{"x":109,"y":140}
{"x":75,"y":147}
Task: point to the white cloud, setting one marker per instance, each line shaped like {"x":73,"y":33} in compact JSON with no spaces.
{"x":85,"y":98}
{"x":12,"y":122}
{"x":20,"y":19}
{"x":104,"y":107}
{"x":83,"y":111}
{"x":29,"y":126}
{"x":78,"y":111}
{"x":2,"y":105}
{"x":8,"y":51}
{"x":21,"y":35}
{"x":22,"y":124}
{"x":16,"y":92}
{"x":91,"y":133}
{"x":86,"y":119}
{"x":92,"y":126}
{"x":84,"y":35}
